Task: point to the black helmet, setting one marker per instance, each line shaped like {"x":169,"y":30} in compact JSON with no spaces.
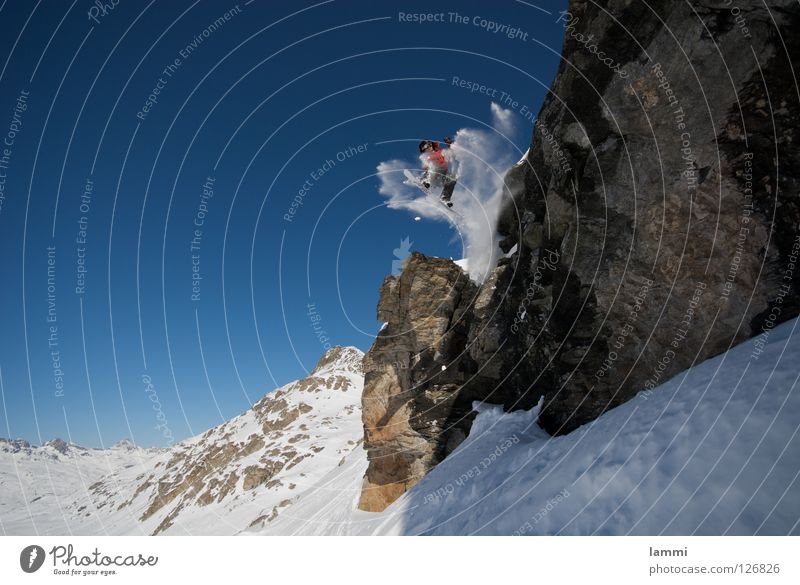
{"x":424,"y":144}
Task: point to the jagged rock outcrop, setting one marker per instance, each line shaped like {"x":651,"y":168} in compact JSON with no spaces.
{"x":655,"y":219}
{"x":416,"y":404}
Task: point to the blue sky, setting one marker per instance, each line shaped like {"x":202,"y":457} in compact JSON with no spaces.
{"x":273,"y":100}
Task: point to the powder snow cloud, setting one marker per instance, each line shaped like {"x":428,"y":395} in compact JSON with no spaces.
{"x":502,"y":119}
{"x":480,"y":159}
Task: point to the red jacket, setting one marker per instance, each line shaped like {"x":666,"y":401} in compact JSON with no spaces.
{"x":435,"y":159}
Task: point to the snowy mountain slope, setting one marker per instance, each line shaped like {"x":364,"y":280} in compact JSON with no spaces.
{"x":37,"y":482}
{"x":330,"y":507}
{"x":715,"y":450}
{"x":242,"y":474}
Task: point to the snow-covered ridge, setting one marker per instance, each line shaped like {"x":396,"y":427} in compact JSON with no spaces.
{"x":340,"y":359}
{"x":38,"y":481}
{"x":238,"y":475}
{"x":243,"y":473}
{"x":56,"y":447}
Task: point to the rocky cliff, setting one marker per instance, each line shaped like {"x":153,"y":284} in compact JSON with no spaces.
{"x":652,"y":224}
{"x":416,"y":404}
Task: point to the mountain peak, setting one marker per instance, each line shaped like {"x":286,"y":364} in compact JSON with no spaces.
{"x":125,"y":443}
{"x":340,"y":358}
{"x":59,"y":445}
{"x":14,"y":445}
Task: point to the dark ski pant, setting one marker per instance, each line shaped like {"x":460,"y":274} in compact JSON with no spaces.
{"x":447,"y":190}
{"x":446,"y":182}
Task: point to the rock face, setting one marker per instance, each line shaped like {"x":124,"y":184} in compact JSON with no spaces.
{"x":655,"y":219}
{"x":416,"y":405}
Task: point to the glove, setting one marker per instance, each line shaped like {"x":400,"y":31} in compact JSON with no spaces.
{"x":426,"y":184}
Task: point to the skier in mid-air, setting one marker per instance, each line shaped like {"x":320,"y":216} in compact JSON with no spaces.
{"x":435,"y":170}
